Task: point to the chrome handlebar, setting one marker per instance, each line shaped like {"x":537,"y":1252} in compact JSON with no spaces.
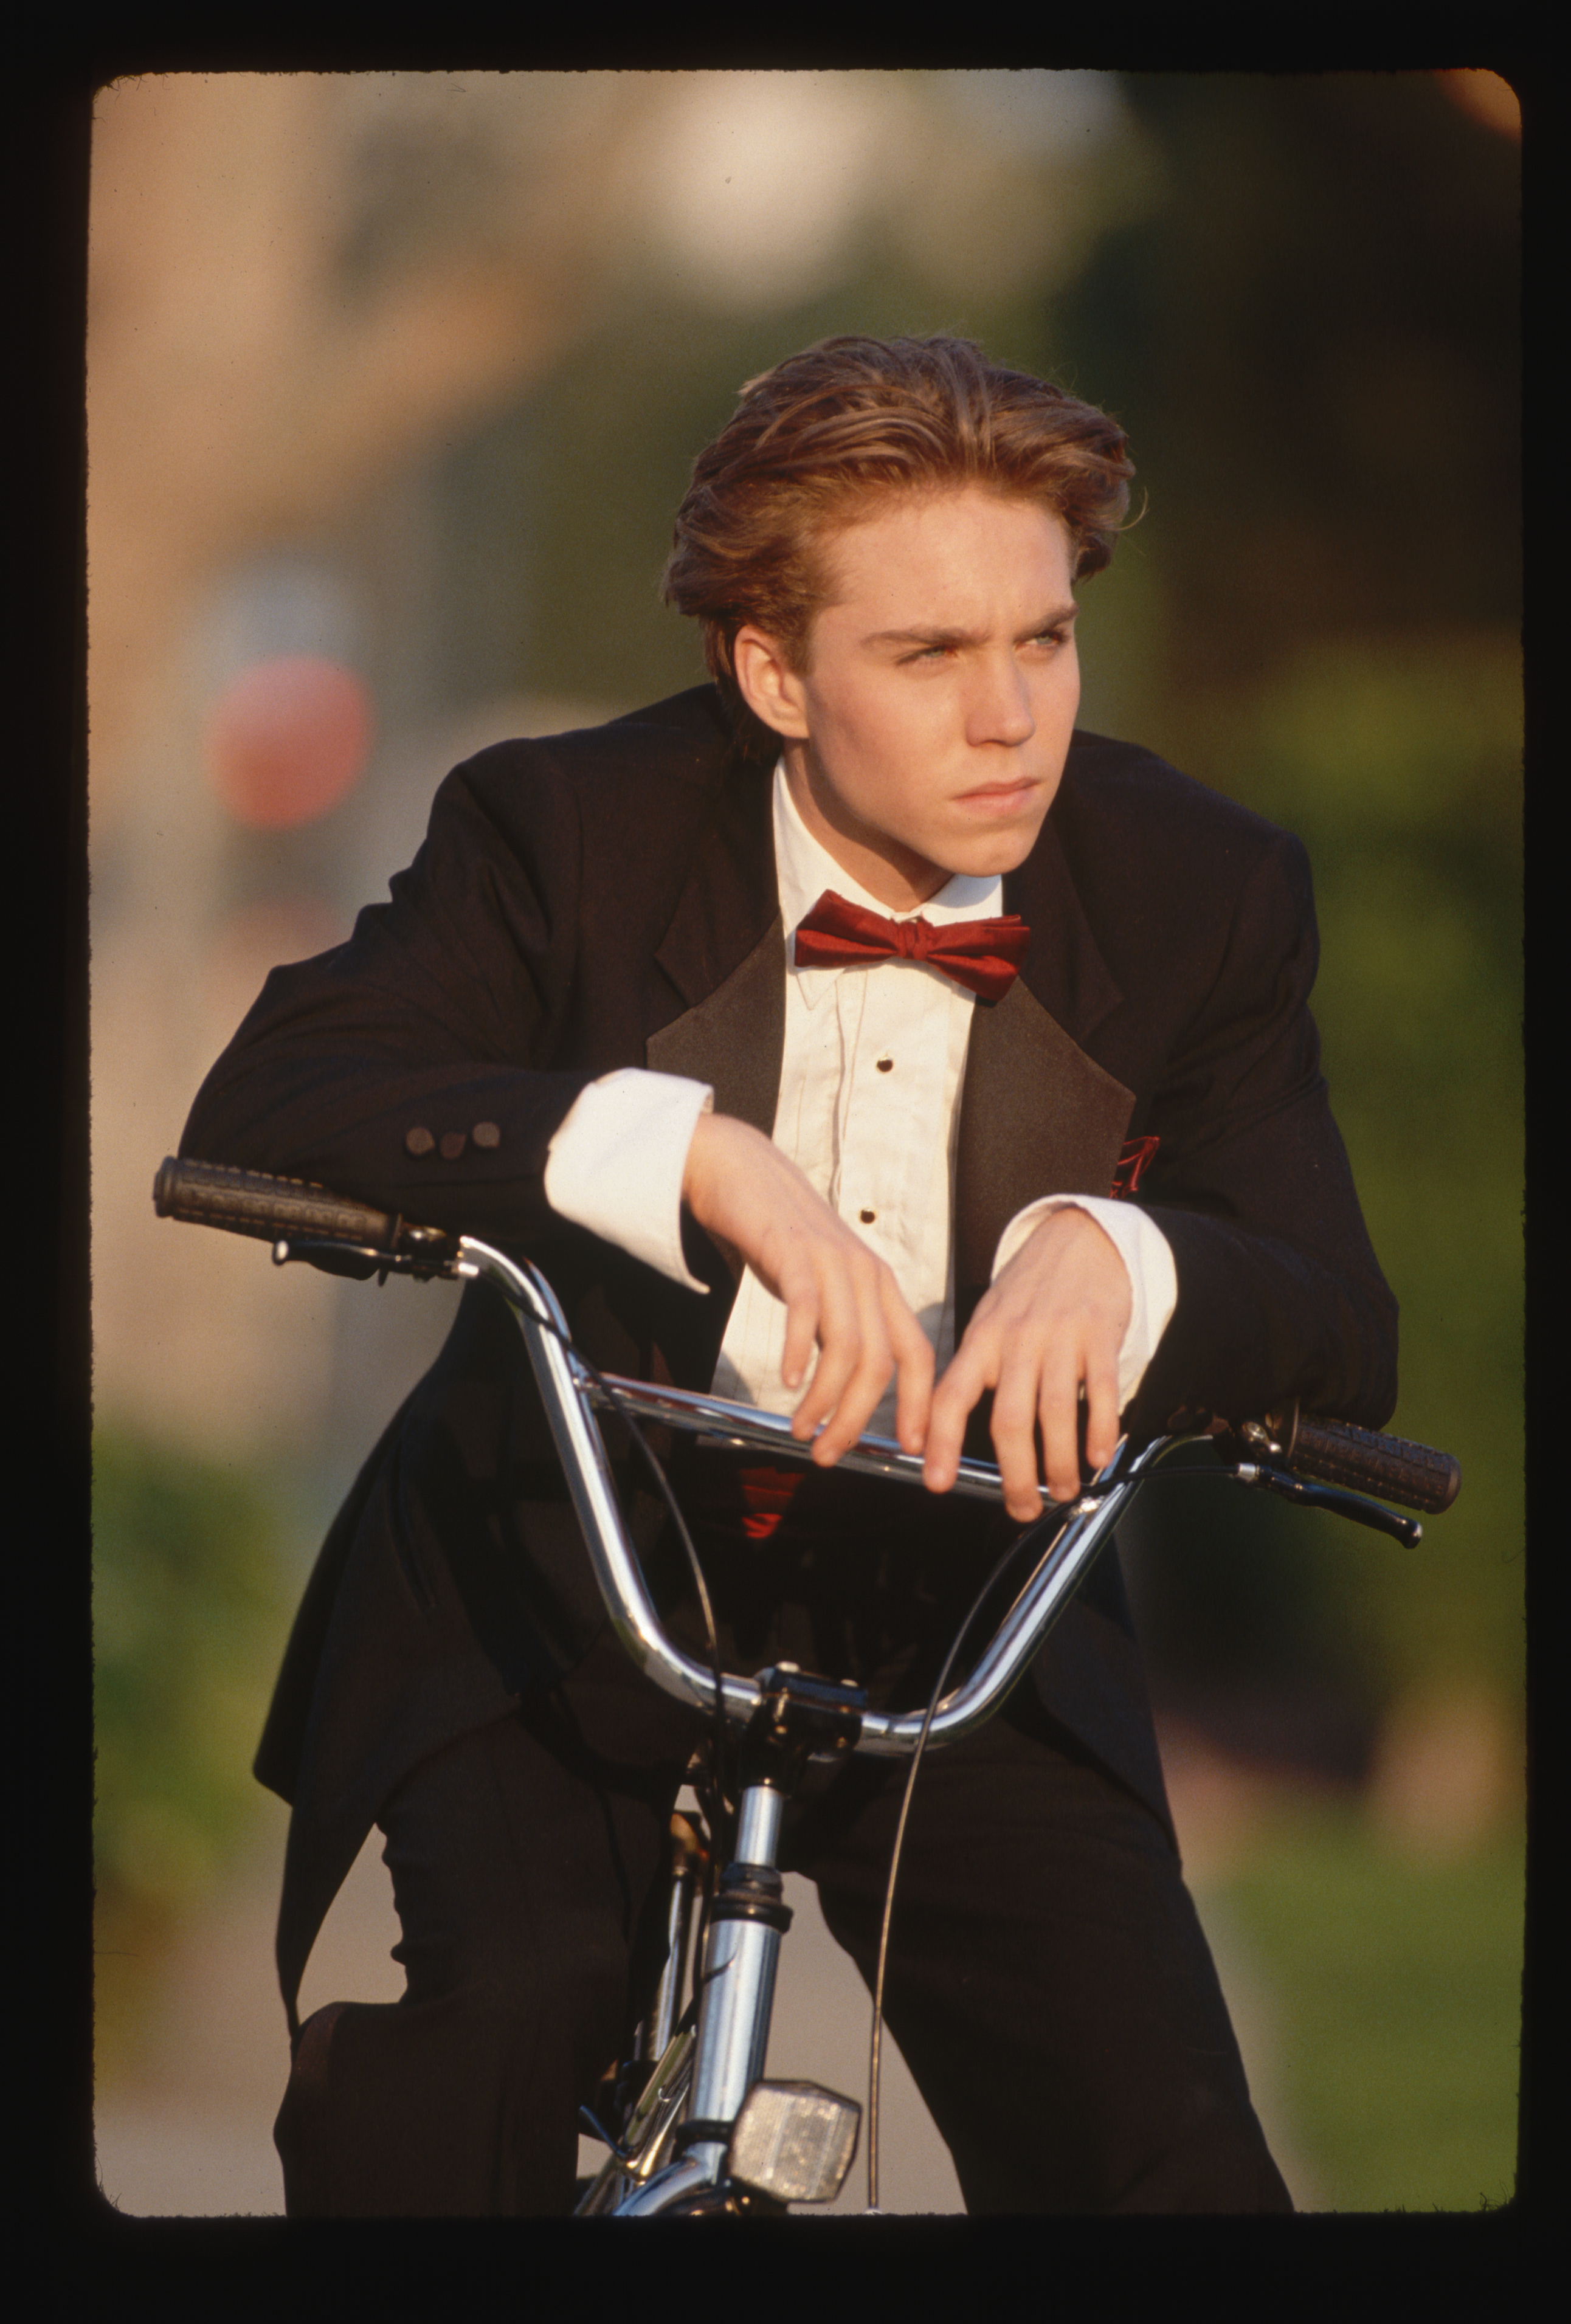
{"x":1072,"y":1535}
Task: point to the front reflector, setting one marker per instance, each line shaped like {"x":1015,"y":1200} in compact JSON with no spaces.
{"x":794,"y":2140}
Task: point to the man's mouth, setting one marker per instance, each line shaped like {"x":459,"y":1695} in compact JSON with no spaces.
{"x":999,"y":795}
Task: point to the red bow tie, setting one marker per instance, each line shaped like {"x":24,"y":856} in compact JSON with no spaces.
{"x":983,"y":956}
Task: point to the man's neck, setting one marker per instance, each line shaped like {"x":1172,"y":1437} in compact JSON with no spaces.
{"x":899,"y":878}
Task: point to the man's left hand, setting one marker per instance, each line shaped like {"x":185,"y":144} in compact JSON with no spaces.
{"x":1051,"y":1326}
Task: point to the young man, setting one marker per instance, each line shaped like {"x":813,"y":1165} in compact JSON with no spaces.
{"x":815,"y":1030}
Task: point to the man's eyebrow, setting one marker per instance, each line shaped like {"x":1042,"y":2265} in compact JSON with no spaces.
{"x":938,"y":637}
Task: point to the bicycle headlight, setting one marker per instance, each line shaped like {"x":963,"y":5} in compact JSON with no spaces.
{"x":794,"y":2140}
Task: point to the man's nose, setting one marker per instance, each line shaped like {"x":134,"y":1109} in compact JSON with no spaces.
{"x":1001,"y":707}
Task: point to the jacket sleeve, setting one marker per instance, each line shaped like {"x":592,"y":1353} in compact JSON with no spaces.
{"x":414,"y":1067}
{"x":1278,"y":1290}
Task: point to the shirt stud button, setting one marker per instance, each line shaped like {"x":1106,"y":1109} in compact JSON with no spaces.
{"x":453,"y":1145}
{"x":886,"y":1065}
{"x":418,"y":1142}
{"x":867,"y":1217}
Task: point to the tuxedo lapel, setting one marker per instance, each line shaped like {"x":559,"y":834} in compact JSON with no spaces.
{"x":730,"y":895}
{"x":725,"y":954}
{"x":1038,"y":1115}
{"x":734,"y":1038}
{"x":1064,"y":967}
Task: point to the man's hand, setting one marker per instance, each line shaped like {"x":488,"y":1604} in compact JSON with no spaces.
{"x":1052,"y":1324}
{"x":836,"y":1292}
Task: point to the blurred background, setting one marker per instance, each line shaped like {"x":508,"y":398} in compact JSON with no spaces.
{"x":394,"y":383}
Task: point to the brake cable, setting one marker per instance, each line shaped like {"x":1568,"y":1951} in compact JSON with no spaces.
{"x":875,"y":2057}
{"x":662,"y":1483}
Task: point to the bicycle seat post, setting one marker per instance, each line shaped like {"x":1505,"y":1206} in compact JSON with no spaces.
{"x":798,"y":1719}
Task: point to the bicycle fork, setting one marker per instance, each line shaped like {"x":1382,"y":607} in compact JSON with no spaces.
{"x":748,"y":1920}
{"x":743,"y":2139}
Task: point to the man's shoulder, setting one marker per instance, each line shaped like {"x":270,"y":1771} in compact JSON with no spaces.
{"x":1125,"y":787}
{"x":1163,"y":867}
{"x":1125,"y":814}
{"x":621,"y":810}
{"x":686,"y":740}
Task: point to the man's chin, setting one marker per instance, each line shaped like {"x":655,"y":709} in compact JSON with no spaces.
{"x":988,"y":855}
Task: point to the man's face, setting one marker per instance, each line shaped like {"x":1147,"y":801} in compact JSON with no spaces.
{"x":928,"y":732}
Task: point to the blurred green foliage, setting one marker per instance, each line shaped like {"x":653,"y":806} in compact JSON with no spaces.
{"x":1312,"y":337}
{"x":1313,"y":340}
{"x":1399,"y":762}
{"x":191,"y":1601}
{"x":1397,"y":1985}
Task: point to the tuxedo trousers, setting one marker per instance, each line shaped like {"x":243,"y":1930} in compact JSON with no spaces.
{"x":1049,"y":1983}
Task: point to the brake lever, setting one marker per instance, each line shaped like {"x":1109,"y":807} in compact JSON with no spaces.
{"x":331,"y":1255}
{"x":1341,"y":1503}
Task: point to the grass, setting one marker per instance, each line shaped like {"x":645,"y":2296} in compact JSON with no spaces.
{"x":1396,"y":1983}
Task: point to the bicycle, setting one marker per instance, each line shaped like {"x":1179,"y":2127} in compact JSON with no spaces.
{"x":696,"y":2127}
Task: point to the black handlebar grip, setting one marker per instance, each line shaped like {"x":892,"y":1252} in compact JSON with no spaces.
{"x":1415,"y":1476}
{"x":249,"y":1203}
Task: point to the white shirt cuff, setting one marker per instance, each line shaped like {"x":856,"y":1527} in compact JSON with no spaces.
{"x":1148,"y":1259}
{"x":616,"y":1161}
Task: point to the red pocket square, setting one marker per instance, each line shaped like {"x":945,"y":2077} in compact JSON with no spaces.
{"x":1132,"y":1161}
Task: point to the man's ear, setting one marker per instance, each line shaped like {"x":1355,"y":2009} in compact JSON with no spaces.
{"x":771,"y":688}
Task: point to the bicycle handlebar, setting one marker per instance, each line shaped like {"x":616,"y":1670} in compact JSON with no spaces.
{"x":344,"y":1236}
{"x":349,"y":1237}
{"x":564,"y":1383}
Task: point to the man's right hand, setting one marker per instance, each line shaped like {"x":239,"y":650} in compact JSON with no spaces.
{"x":837,"y":1294}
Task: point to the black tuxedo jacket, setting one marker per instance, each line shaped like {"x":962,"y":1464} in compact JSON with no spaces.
{"x":608,"y":899}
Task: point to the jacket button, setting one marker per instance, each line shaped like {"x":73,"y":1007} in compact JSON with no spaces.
{"x":418,"y":1142}
{"x":452,"y":1145}
{"x":867,"y":1217}
{"x":486,"y":1134}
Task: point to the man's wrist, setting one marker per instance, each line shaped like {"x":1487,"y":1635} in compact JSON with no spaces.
{"x":1148,"y":1261}
{"x":618,"y":1163}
